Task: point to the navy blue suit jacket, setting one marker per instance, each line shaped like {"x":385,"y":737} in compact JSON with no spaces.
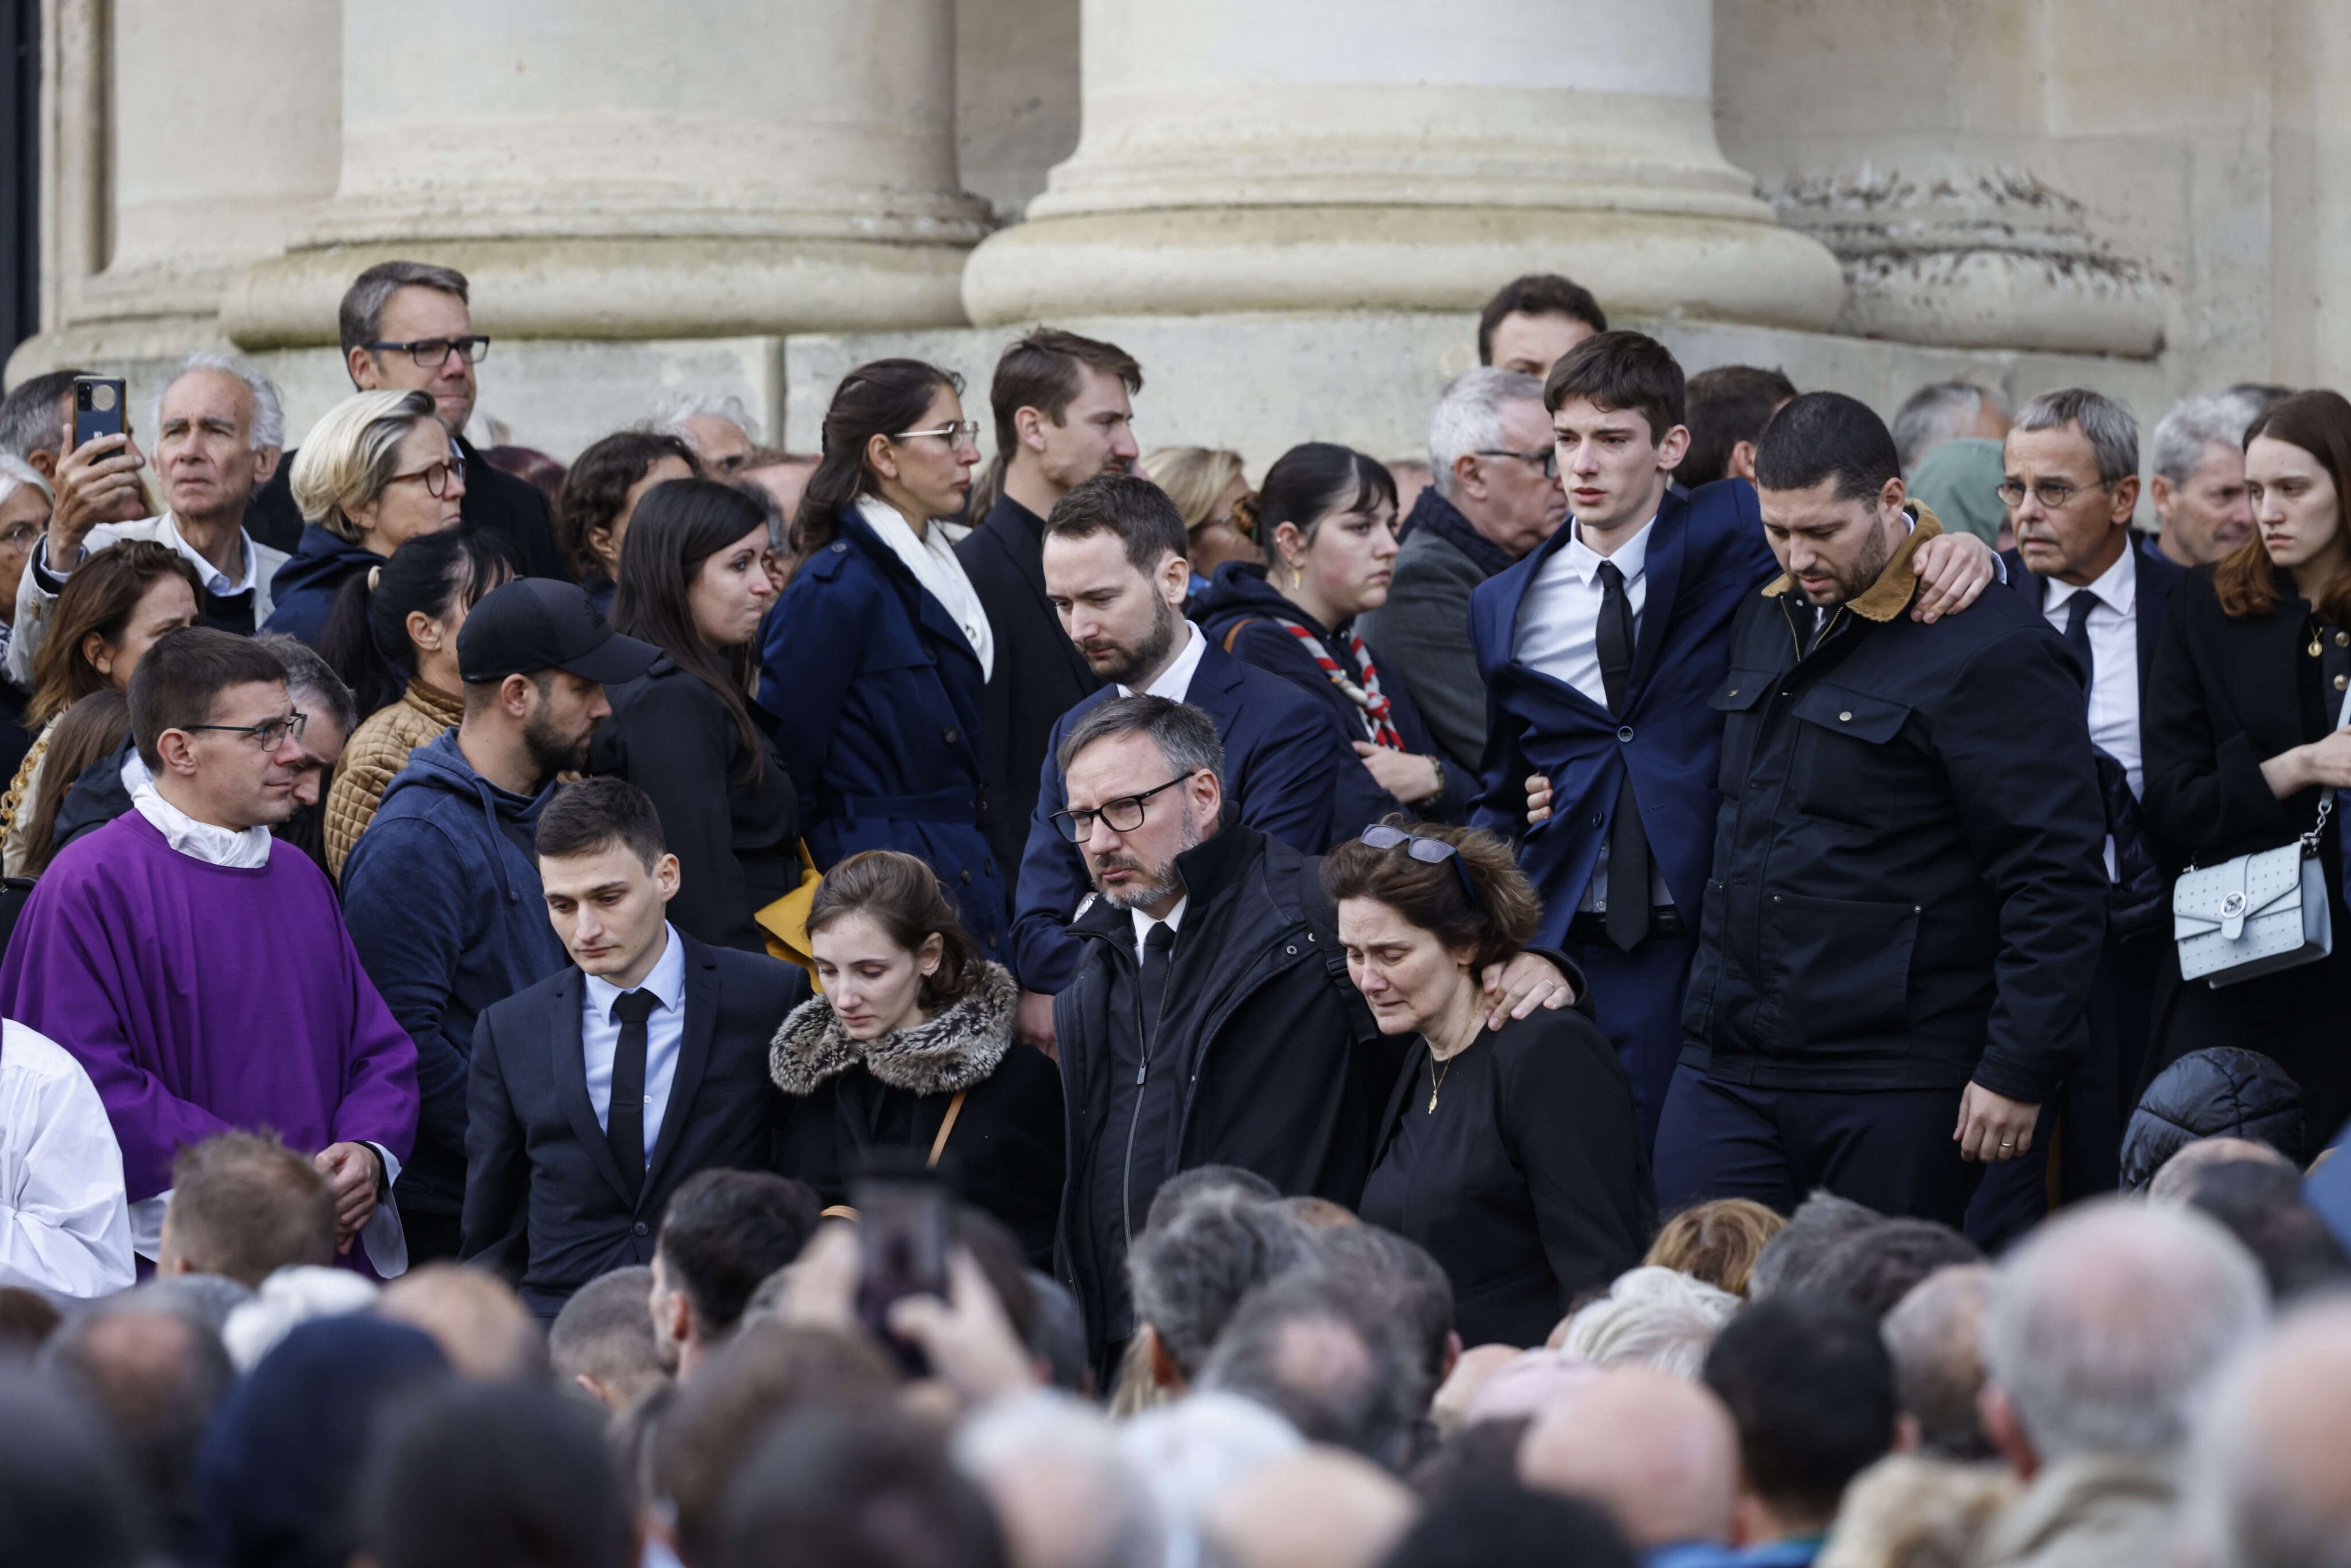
{"x":1707,"y":553}
{"x":2157,"y":579}
{"x":1284,"y":753}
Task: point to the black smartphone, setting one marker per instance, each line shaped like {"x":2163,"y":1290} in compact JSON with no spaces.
{"x":97,"y":408}
{"x":906,"y":1214}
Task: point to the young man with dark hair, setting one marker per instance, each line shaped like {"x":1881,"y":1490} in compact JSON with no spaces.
{"x":1064,"y":414}
{"x":1533,"y":320}
{"x":1726,"y":408}
{"x":598,"y":1093}
{"x":726,"y":1231}
{"x":1908,"y":895}
{"x":204,"y":982}
{"x":441,"y":889}
{"x":1601,"y":651}
{"x":245,"y":1206}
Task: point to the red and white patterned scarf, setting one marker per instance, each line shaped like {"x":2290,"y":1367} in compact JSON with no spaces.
{"x":1378,"y":712}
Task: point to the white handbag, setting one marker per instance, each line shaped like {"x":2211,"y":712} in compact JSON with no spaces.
{"x":2255,"y":915}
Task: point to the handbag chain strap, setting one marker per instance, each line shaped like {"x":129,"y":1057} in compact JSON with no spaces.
{"x":2318,"y":829}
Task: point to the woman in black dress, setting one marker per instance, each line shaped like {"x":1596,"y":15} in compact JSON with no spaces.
{"x":1512,"y":1155}
{"x":910,"y":1046}
{"x":2242,"y":744}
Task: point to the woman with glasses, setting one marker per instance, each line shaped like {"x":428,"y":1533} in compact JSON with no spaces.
{"x":1512,"y":1155}
{"x":377,"y":470}
{"x":1327,"y":518}
{"x":2244,"y":749}
{"x":877,"y":659}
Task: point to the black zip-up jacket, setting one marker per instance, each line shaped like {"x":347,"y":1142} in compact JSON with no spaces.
{"x":1908,"y":888}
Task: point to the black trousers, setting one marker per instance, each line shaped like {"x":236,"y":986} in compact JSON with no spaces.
{"x":1638,"y":998}
{"x":1889,"y":1149}
{"x":432,"y":1238}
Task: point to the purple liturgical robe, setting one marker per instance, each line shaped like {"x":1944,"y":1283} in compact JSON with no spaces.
{"x":202,"y":998}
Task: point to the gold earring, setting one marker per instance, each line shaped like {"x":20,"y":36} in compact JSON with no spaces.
{"x":1297,"y":575}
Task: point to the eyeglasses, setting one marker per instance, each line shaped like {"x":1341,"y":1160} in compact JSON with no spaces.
{"x":435,"y":476}
{"x":1123,"y":814}
{"x":20,"y":535}
{"x":271,"y":733}
{"x":1427,"y":850}
{"x":2052,"y":494}
{"x":953,"y":434}
{"x":432,"y":352}
{"x":1547,"y":459}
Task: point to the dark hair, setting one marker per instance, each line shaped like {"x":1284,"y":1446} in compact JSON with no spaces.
{"x":2319,"y":422}
{"x":66,"y":1500}
{"x":1827,"y":436}
{"x":878,"y":398}
{"x":181,"y":678}
{"x":1811,"y":1387}
{"x":595,"y":814}
{"x":844,"y":1490}
{"x":1722,"y":407}
{"x":1138,"y":511}
{"x":92,"y":728}
{"x":1191,"y":1274}
{"x":2262,"y":1207}
{"x":156,"y":1373}
{"x":1537,"y":294}
{"x":1041,"y":372}
{"x":904,"y":896}
{"x":1430,"y":895}
{"x":100,"y":596}
{"x":32,"y":417}
{"x":1308,"y":483}
{"x":1496,"y":1523}
{"x":1405,"y":1281}
{"x":360,"y":316}
{"x":1875,"y":1269}
{"x":535,"y":468}
{"x":1186,"y":735}
{"x":245,"y":1205}
{"x":365,"y":642}
{"x":604,"y":1331}
{"x":1788,"y":1259}
{"x":1178,"y":1191}
{"x":492,"y":1475}
{"x":1627,"y":372}
{"x":727,"y":1230}
{"x":597,"y":486}
{"x":679,"y":525}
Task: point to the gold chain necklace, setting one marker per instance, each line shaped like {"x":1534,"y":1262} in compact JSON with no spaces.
{"x":1436,"y":1081}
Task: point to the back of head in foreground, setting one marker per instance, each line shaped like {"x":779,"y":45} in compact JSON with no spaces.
{"x":2260,"y":1203}
{"x":1064,"y":1492}
{"x":1819,"y":1222}
{"x":475,"y":1318}
{"x":245,"y":1206}
{"x":1875,"y":1268}
{"x":1656,"y":1452}
{"x":1650,"y":1317}
{"x":66,"y":1500}
{"x":603,"y":1341}
{"x":725,"y":1231}
{"x":1934,"y":1337}
{"x":1306,"y":1346}
{"x":155,"y":1374}
{"x":2266,"y":1484}
{"x":829,"y":1490}
{"x":1191,"y":1272}
{"x":1496,"y":1523}
{"x":1318,"y":1508}
{"x":1808,"y":1383}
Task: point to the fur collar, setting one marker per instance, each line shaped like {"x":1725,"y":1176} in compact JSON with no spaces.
{"x":952,"y":1051}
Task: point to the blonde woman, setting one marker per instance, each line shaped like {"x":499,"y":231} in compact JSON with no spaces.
{"x":377,"y":470}
{"x":1205,"y":483}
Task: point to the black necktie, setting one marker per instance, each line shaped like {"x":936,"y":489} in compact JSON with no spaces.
{"x":1628,"y":846}
{"x":2078,"y":634}
{"x":624,"y":1125}
{"x":1158,"y":950}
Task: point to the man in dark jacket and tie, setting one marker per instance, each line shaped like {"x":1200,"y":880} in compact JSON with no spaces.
{"x":597,"y":1091}
{"x":1907,"y":900}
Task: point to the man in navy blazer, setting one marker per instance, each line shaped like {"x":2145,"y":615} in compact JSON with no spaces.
{"x":1117,"y":574}
{"x":1601,"y":687}
{"x":597,"y":1091}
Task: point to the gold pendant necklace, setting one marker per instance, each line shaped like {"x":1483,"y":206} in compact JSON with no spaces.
{"x":1436,"y":1081}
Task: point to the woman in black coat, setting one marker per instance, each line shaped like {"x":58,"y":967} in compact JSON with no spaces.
{"x":692,"y":585}
{"x":1512,"y":1155}
{"x":2243,"y":741}
{"x":909,"y":1046}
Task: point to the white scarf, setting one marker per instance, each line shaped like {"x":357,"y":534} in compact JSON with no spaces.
{"x":932,"y":562}
{"x":247,"y":851}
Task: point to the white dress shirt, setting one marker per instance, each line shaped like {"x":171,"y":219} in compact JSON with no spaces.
{"x":1173,"y":920}
{"x":1174,"y":681}
{"x":600,"y":1037}
{"x":64,"y":1227}
{"x":2113,"y":627}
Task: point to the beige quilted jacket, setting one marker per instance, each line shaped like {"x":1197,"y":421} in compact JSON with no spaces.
{"x":378,"y":749}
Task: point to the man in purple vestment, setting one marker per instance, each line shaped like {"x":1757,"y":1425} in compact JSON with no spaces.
{"x":203,"y":981}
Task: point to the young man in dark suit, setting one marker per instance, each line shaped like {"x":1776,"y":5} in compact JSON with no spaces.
{"x":596,"y":1093}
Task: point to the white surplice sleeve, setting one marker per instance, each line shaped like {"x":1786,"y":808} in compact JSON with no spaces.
{"x":64,"y":1227}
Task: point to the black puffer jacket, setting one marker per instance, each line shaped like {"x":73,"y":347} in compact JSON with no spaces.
{"x":2220,"y":1093}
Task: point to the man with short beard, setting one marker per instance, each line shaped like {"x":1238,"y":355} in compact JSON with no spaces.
{"x":442,"y":891}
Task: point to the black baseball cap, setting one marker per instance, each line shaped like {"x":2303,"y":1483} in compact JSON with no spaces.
{"x":540,"y":623}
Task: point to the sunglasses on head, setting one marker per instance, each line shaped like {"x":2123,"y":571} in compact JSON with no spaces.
{"x":1427,"y":850}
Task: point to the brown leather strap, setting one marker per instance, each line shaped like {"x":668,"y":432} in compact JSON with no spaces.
{"x":1232,"y":634}
{"x":839,"y":1211}
{"x":939,"y":1144}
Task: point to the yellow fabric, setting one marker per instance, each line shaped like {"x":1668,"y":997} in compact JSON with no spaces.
{"x":379,"y":749}
{"x":785,"y":920}
{"x":1892,"y":592}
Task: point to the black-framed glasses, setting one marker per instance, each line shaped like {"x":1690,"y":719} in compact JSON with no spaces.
{"x":271,"y":733}
{"x":433,"y":353}
{"x":2053,"y":495}
{"x":954,"y":434}
{"x":434,"y":474}
{"x":1123,"y":814}
{"x":1427,"y":851}
{"x":1547,"y":459}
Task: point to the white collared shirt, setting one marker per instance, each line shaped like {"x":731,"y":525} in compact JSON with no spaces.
{"x":216,"y":582}
{"x":2113,"y":627}
{"x":1559,"y":623}
{"x":1174,"y":681}
{"x":600,"y":1037}
{"x":1173,"y":920}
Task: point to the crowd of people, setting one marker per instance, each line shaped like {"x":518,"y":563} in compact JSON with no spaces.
{"x":1602,"y":997}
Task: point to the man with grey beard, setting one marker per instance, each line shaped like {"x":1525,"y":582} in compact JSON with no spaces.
{"x":1210,"y":1019}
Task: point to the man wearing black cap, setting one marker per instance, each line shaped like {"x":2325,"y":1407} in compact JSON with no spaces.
{"x":441,"y":892}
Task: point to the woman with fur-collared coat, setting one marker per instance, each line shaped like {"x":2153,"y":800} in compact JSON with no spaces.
{"x":910,"y":1046}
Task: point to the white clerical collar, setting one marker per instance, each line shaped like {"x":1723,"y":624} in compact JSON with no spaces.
{"x":2116,"y":588}
{"x":1174,"y":681}
{"x":246,"y":850}
{"x":1631,"y":557}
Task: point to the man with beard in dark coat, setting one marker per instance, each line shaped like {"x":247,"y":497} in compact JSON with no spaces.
{"x":1210,"y":1019}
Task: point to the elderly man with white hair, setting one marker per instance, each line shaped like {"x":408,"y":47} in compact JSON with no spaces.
{"x":2104,"y":1335}
{"x":721,"y":430}
{"x":2267,"y":1486}
{"x":2201,"y":504}
{"x":218,"y":431}
{"x":24,"y":513}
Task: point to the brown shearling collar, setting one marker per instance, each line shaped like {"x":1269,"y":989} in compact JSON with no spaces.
{"x":1891,"y":595}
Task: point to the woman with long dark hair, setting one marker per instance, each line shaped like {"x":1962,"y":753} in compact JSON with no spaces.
{"x":600,"y":497}
{"x":2243,"y":742}
{"x":878,"y":658}
{"x":1326,"y":517}
{"x":691,"y":583}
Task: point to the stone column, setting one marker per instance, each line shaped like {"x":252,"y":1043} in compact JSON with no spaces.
{"x":603,"y":169}
{"x":1244,"y":155}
